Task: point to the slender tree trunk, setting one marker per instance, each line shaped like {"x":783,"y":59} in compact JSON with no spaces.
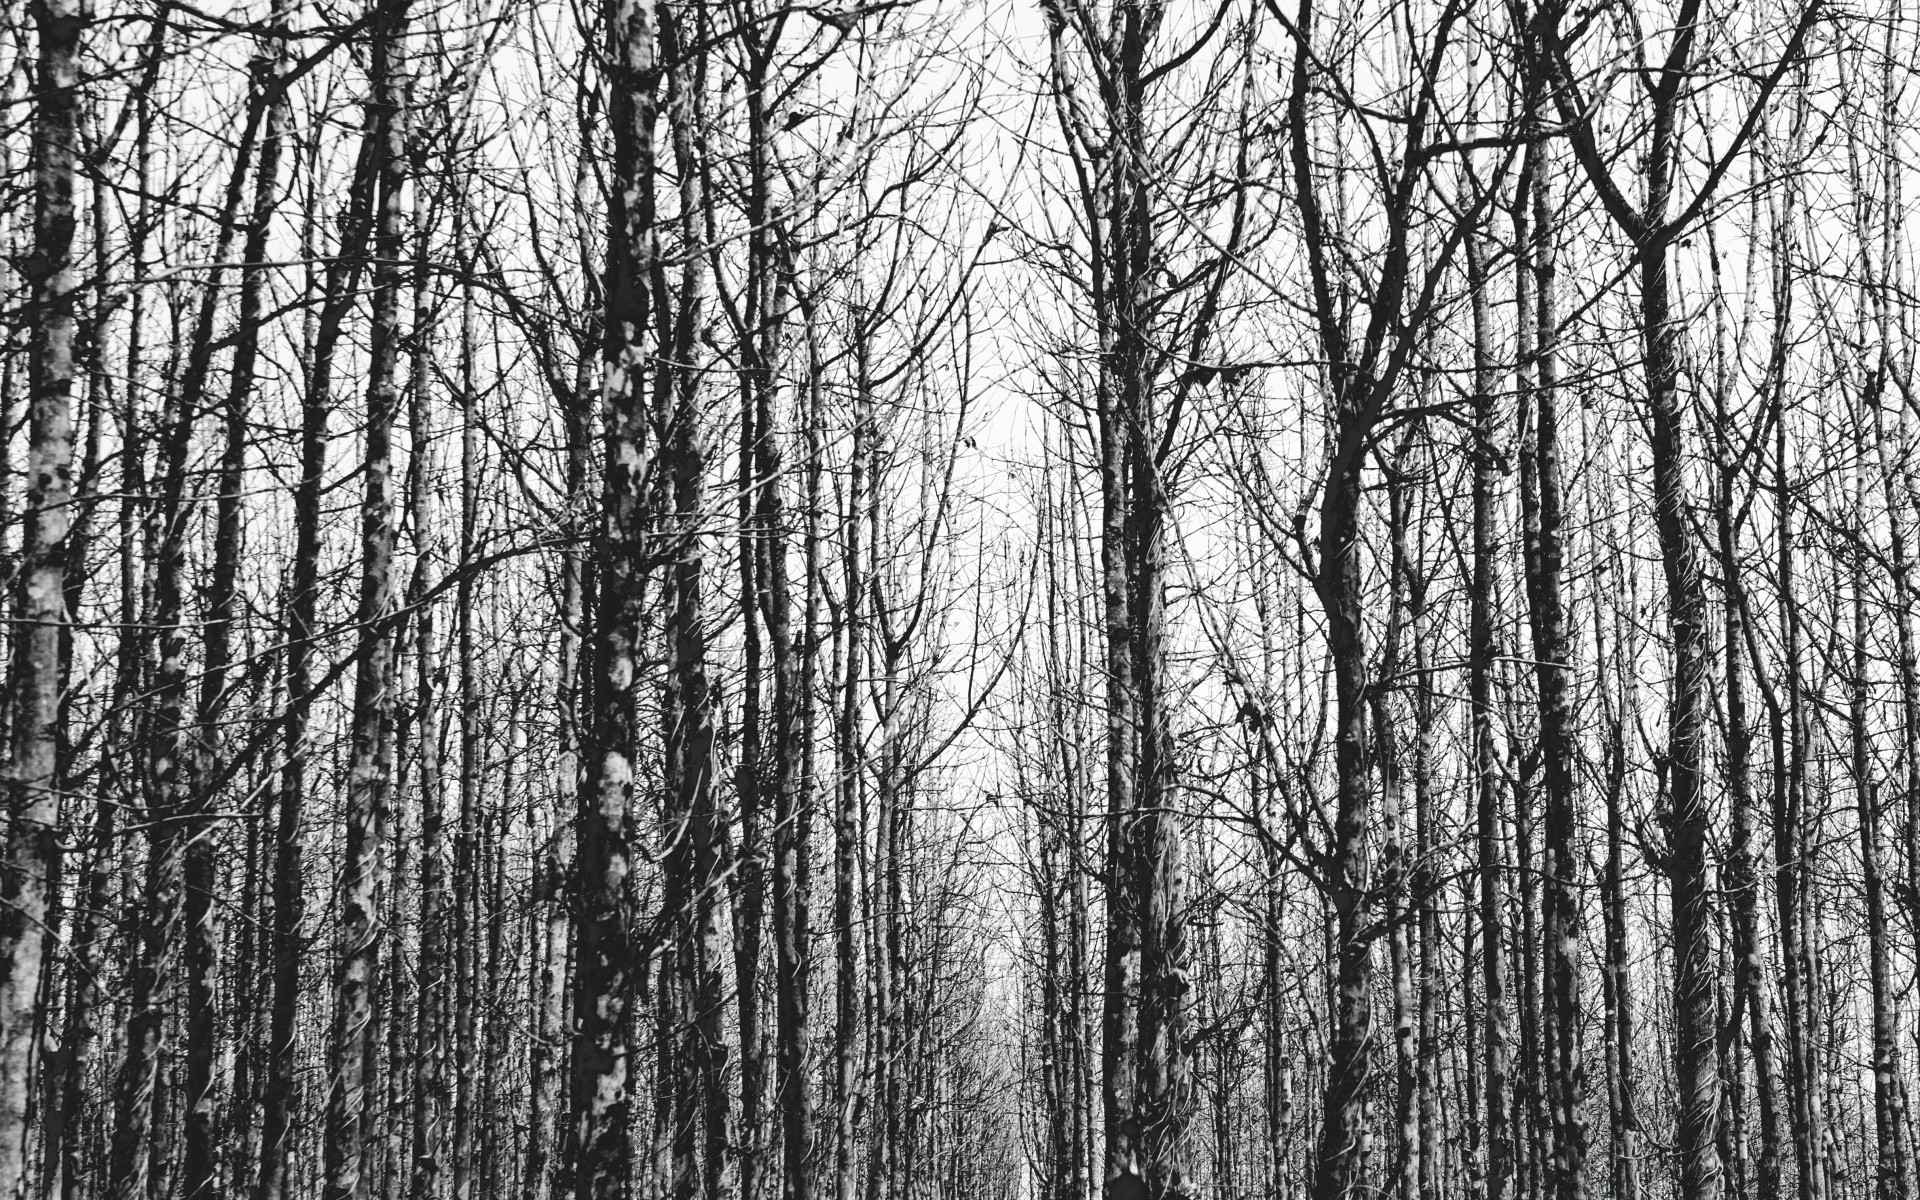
{"x":543,"y":1133}
{"x":767,"y":764}
{"x":1789,"y":736}
{"x":363,"y":873}
{"x":698,"y":859}
{"x":65,"y":1073}
{"x":1395,"y":882}
{"x":1750,"y":967}
{"x":428,"y":1094}
{"x":1564,"y":1071}
{"x":1145,"y":1059}
{"x":467,"y":869}
{"x":793,"y":815}
{"x":851,"y":766}
{"x":1697,"y":1074}
{"x":1892,"y":1171}
{"x":74,"y":1039}
{"x":1654,"y":228}
{"x":1496,"y":1091}
{"x":1425,"y":884}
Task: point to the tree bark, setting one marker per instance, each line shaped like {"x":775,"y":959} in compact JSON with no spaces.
{"x":363,"y":872}
{"x":33,"y":802}
{"x":1496,"y":1089}
{"x":1563,"y":1069}
{"x":600,"y":1088}
{"x":1893,"y":1172}
{"x":697,"y":861}
{"x":427,"y":1095}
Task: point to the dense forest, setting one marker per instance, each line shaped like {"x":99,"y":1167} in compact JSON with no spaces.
{"x":938,"y":600}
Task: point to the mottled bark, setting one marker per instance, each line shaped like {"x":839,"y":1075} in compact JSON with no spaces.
{"x":1563,"y":1069}
{"x":850,"y":766}
{"x":698,"y":856}
{"x":1495,"y":1088}
{"x":428,"y":1090}
{"x":605,"y":951}
{"x":33,"y":803}
{"x":351,"y":1121}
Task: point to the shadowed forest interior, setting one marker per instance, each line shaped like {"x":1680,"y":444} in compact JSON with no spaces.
{"x":957,"y":600}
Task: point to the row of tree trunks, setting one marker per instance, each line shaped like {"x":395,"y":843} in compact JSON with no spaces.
{"x":1654,"y":226}
{"x":341,"y":285}
{"x":648,"y":941}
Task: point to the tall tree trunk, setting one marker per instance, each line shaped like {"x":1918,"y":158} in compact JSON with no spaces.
{"x":767,"y":763}
{"x":543,"y":1133}
{"x":1892,"y":1171}
{"x":363,"y":871}
{"x":1396,"y":882}
{"x":65,"y":1072}
{"x":1687,"y":818}
{"x":1789,"y":735}
{"x":1496,"y":1090}
{"x":793,"y":811}
{"x":78,"y":1169}
{"x":1564,"y":1070}
{"x":1750,"y":967}
{"x":697,"y":860}
{"x":32,"y":864}
{"x":600,"y":1087}
{"x":1426,"y":886}
{"x":467,"y":870}
{"x":1145,"y":1058}
{"x":1363,"y":368}
{"x":850,"y":763}
{"x":428,"y":1094}
{"x":33,"y":802}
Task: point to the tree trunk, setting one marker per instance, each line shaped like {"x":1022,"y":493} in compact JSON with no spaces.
{"x":793,"y":814}
{"x":600,"y":1088}
{"x":33,"y":802}
{"x":1790,"y":738}
{"x":428,"y":1093}
{"x":1563,"y":1069}
{"x":1496,"y":1090}
{"x":698,"y":863}
{"x":352,"y":1052}
{"x":1892,"y":1170}
{"x":550,"y":883}
{"x":1750,"y":968}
